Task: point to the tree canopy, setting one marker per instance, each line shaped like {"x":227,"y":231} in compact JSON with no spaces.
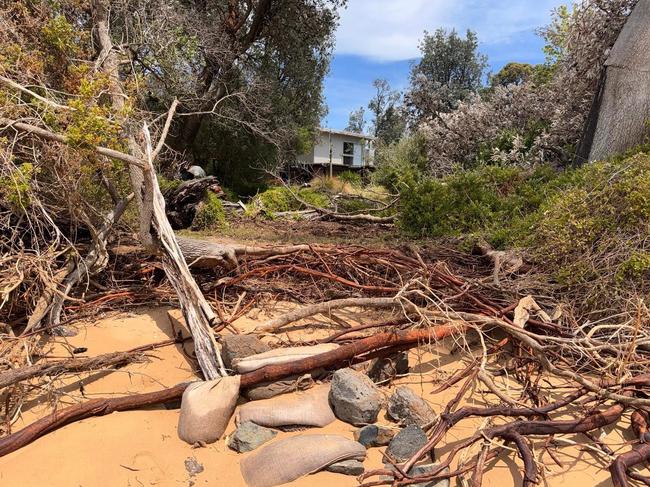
{"x":451,"y":68}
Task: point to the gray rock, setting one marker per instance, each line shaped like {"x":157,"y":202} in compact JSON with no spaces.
{"x":354,"y":398}
{"x":408,"y":408}
{"x":64,"y":331}
{"x":424,"y":469}
{"x":240,"y":346}
{"x":407,"y":443}
{"x":193,"y":467}
{"x":347,"y":467}
{"x":387,"y":368}
{"x":373,"y":435}
{"x":421,"y":470}
{"x":250,"y":436}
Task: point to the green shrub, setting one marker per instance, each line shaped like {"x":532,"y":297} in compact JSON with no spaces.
{"x":491,"y":200}
{"x":401,"y":164}
{"x":210,"y":214}
{"x":279,"y":199}
{"x":351,"y":177}
{"x":587,"y":228}
{"x":594,"y":234}
{"x":15,"y":187}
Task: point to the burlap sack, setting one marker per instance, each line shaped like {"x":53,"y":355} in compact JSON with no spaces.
{"x":310,"y":408}
{"x":286,"y":460}
{"x":206,"y":408}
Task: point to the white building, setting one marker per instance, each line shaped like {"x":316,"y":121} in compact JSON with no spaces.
{"x":338,"y":150}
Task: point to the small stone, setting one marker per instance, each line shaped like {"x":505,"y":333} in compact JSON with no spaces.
{"x":240,"y":346}
{"x":347,"y":467}
{"x":193,"y":467}
{"x":423,"y":470}
{"x":250,"y":436}
{"x":409,"y":408}
{"x":387,"y":368}
{"x":64,"y":331}
{"x":373,"y":435}
{"x":354,"y":397}
{"x":407,"y":443}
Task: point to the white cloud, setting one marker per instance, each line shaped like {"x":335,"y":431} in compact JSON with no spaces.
{"x":389,"y":30}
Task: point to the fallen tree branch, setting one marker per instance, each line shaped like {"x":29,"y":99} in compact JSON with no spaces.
{"x":325,"y":308}
{"x":73,"y":365}
{"x":47,"y":135}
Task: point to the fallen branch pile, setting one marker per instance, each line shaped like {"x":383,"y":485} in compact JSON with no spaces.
{"x":601,"y":366}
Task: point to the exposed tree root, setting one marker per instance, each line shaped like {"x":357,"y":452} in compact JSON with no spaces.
{"x":335,"y":359}
{"x":74,"y":365}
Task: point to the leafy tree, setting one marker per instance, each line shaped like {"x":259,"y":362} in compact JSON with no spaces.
{"x":388,"y":118}
{"x":451,"y":68}
{"x":357,"y":121}
{"x":512,"y":74}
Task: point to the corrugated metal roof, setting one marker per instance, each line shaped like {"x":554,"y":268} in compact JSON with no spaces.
{"x":346,"y":133}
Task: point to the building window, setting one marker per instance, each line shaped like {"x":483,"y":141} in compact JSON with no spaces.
{"x":348,"y":153}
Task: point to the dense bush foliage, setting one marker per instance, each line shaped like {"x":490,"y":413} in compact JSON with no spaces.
{"x":588,"y":227}
{"x":594,"y":233}
{"x":400,"y":164}
{"x":485,"y":201}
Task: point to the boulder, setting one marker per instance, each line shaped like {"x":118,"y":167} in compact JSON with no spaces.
{"x":237,"y":347}
{"x":373,"y":435}
{"x":385,"y":369}
{"x":408,"y":408}
{"x":249,"y":436}
{"x":406,"y":443}
{"x":354,"y":397}
{"x":347,"y":467}
{"x":206,"y":408}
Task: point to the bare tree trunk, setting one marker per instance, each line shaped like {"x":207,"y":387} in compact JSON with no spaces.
{"x":197,"y":312}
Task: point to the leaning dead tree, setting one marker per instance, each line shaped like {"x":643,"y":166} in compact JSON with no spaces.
{"x":621,"y":109}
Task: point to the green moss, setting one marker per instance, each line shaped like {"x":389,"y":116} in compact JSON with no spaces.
{"x":210,"y":215}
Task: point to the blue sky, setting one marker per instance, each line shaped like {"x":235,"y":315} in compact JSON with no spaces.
{"x":379,"y":39}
